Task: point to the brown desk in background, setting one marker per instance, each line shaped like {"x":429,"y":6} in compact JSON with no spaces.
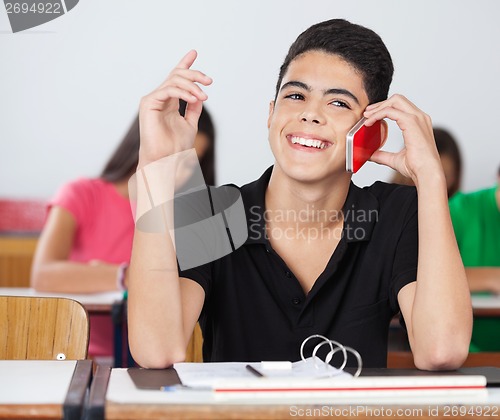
{"x":404,"y":360}
{"x":21,"y":221}
{"x":16,"y":256}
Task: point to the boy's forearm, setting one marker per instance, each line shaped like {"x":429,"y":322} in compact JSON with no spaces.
{"x":155,"y":310}
{"x":441,"y":313}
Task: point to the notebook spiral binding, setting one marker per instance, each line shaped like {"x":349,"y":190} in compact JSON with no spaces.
{"x":335,"y":347}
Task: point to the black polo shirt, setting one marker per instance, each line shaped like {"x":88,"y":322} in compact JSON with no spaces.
{"x":255,"y":308}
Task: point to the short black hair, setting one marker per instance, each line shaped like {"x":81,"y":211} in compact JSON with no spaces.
{"x":448,"y":146}
{"x":359,"y":46}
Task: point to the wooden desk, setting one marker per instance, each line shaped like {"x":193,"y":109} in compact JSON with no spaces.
{"x":114,"y":396}
{"x":49,"y":389}
{"x":16,"y":256}
{"x":487,"y":306}
{"x":404,"y":360}
{"x":95,"y":303}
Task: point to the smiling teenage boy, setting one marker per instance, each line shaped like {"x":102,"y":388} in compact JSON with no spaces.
{"x":322,"y":255}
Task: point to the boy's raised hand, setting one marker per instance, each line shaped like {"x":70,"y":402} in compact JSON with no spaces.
{"x":163,"y":130}
{"x":419,"y":155}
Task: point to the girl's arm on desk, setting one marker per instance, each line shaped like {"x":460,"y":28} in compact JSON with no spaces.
{"x":51,"y":270}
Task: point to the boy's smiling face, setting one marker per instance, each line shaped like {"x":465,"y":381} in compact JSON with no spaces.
{"x":320,"y":99}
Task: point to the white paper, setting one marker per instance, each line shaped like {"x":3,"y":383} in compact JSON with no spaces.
{"x":207,"y":374}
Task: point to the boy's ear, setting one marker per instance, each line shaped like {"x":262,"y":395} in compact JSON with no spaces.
{"x":384,"y":132}
{"x":271,"y":110}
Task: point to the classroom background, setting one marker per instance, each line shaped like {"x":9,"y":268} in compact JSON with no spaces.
{"x":71,"y":87}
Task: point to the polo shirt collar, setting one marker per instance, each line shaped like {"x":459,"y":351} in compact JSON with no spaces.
{"x":360,"y":211}
{"x":253,"y":195}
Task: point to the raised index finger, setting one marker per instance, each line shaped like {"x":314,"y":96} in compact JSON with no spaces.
{"x":184,"y":67}
{"x":188,"y":60}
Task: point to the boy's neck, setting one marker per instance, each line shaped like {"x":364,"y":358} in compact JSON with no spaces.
{"x":307,"y":199}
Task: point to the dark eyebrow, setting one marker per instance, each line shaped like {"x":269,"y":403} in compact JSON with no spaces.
{"x":296,"y":83}
{"x":332,"y":91}
{"x":341,"y":92}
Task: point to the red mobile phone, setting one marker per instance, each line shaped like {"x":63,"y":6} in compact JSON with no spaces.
{"x":361,"y":143}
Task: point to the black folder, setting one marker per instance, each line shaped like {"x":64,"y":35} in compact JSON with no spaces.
{"x":153,"y":378}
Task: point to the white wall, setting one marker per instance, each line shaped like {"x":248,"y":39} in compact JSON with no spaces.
{"x":69,"y":88}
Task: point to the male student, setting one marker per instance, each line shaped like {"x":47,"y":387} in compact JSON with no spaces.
{"x":366,"y":253}
{"x":476,"y":220}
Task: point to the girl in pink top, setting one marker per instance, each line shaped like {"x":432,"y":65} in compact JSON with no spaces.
{"x":86,"y":242}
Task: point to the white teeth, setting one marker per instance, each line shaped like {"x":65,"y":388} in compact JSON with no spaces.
{"x":308,"y":142}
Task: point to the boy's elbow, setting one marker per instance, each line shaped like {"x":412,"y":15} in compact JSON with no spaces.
{"x":158,"y":360}
{"x":444,"y":357}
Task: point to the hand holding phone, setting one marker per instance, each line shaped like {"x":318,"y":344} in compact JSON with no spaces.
{"x":361,"y":143}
